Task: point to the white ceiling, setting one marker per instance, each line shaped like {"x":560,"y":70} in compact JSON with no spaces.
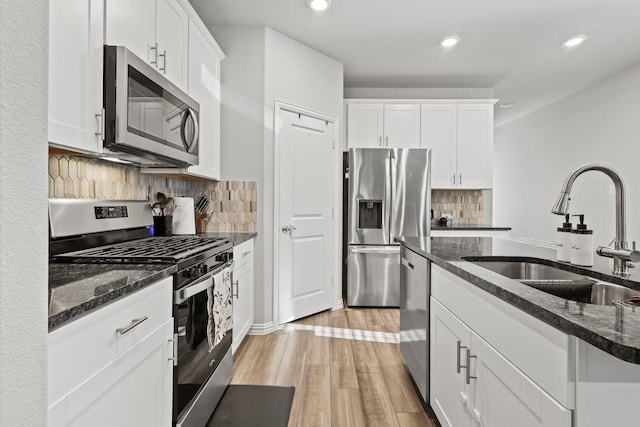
{"x":512,"y":46}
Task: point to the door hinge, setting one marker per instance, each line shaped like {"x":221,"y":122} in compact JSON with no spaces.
{"x":175,"y":349}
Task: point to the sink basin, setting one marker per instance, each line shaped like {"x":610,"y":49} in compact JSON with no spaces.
{"x":606,"y":293}
{"x":558,"y":282}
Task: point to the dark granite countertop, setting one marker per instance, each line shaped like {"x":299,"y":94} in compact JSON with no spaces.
{"x":235,"y":237}
{"x":76,"y":289}
{"x":615,"y":330}
{"x":463,"y":226}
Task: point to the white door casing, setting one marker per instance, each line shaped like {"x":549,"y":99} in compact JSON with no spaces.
{"x":304,"y":247}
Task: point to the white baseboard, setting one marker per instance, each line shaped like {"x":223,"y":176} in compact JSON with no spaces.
{"x":261,"y":328}
{"x":338,"y":305}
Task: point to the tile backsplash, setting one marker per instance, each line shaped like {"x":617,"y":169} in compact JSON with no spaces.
{"x":466,"y":206}
{"x":234,"y":202}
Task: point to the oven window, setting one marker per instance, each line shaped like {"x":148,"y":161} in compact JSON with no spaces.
{"x":155,"y":113}
{"x":199,"y":353}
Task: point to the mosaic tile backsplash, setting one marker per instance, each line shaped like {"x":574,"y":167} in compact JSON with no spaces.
{"x":466,"y":206}
{"x":234,"y":203}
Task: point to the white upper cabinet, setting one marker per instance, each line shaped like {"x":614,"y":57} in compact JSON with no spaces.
{"x":365,"y":125}
{"x":204,"y":87}
{"x":461,"y":137}
{"x":76,"y":29}
{"x":154,"y":30}
{"x":475,"y":146}
{"x":439,"y":127}
{"x":383,"y":125}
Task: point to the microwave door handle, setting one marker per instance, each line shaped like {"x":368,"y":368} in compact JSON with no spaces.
{"x":188,"y":145}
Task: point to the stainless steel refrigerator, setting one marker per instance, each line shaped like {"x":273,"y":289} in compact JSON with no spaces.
{"x":389,"y":196}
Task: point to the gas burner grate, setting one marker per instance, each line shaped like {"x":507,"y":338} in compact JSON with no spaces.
{"x":170,"y":249}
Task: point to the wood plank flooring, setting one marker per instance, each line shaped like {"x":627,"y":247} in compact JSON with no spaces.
{"x":345,"y":365}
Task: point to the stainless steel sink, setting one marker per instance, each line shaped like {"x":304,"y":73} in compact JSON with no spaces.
{"x":606,"y":293}
{"x":558,"y":282}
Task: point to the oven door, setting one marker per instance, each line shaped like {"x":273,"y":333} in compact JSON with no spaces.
{"x":204,"y":330}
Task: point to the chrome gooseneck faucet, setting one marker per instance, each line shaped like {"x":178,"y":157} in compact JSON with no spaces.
{"x":620,"y":254}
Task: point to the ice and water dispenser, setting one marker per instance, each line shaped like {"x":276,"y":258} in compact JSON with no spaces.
{"x":369,"y":214}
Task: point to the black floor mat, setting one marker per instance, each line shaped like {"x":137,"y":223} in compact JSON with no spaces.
{"x":253,"y":405}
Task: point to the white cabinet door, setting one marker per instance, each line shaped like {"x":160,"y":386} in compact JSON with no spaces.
{"x":438,"y":131}
{"x":132,"y":24}
{"x":475,"y":146}
{"x":154,"y":30}
{"x":172,"y":37}
{"x":243,"y":292}
{"x":449,"y":393}
{"x":75,"y":74}
{"x":505,"y":397}
{"x":134,"y":390}
{"x":365,"y":125}
{"x":204,"y":87}
{"x":401,"y":125}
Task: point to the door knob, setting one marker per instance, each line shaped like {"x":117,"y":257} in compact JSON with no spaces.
{"x":289,"y":228}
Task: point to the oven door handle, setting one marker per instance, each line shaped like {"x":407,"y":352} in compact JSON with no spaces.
{"x":203,"y":283}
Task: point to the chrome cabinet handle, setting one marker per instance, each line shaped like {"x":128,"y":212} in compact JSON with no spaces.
{"x":453,"y":180}
{"x":134,"y":323}
{"x":246,"y":253}
{"x":380,"y":141}
{"x":386,"y":141}
{"x":163,"y":55}
{"x":154,"y":51}
{"x":458,"y":364}
{"x":469,"y":376}
{"x":237,"y":294}
{"x":100,"y":123}
{"x":460,"y":180}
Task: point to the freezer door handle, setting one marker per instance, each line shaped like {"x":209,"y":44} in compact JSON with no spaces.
{"x":374,"y":249}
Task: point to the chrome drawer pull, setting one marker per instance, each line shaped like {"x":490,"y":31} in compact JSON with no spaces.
{"x":134,"y":323}
{"x":469,"y":376}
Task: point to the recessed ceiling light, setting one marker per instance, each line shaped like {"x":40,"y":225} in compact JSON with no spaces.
{"x":319,"y":5}
{"x":574,"y":41}
{"x":507,"y":105}
{"x":450,"y":41}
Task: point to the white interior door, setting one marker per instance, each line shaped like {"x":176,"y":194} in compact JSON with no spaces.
{"x":306,"y":186}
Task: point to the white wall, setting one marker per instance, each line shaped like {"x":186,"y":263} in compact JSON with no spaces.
{"x":23,"y":212}
{"x":534,"y":155}
{"x":262,"y":66}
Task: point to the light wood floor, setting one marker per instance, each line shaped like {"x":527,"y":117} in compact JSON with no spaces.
{"x":343,"y":377}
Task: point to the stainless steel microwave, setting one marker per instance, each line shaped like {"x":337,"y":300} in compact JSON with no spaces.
{"x":147,"y":119}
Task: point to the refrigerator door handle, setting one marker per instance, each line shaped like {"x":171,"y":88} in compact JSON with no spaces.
{"x":374,"y":249}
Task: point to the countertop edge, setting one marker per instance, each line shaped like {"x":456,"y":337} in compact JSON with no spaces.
{"x":64,"y":317}
{"x":621,"y":351}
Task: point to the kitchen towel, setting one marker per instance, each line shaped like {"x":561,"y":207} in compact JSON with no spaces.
{"x":219,"y":307}
{"x":184,"y":216}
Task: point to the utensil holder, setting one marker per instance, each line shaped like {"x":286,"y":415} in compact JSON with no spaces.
{"x":163,"y":225}
{"x":201,"y":222}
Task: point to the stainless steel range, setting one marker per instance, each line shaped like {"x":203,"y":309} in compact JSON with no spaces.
{"x":111,"y":231}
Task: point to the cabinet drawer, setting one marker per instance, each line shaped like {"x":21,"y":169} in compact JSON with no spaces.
{"x":78,"y":350}
{"x":242,"y":253}
{"x":539,"y":350}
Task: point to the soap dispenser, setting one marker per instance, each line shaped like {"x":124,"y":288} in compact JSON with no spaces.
{"x":564,"y":241}
{"x":582,"y":244}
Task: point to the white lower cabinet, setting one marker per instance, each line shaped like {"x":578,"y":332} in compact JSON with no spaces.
{"x":242,"y":292}
{"x":472,"y":384}
{"x":101,"y":374}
